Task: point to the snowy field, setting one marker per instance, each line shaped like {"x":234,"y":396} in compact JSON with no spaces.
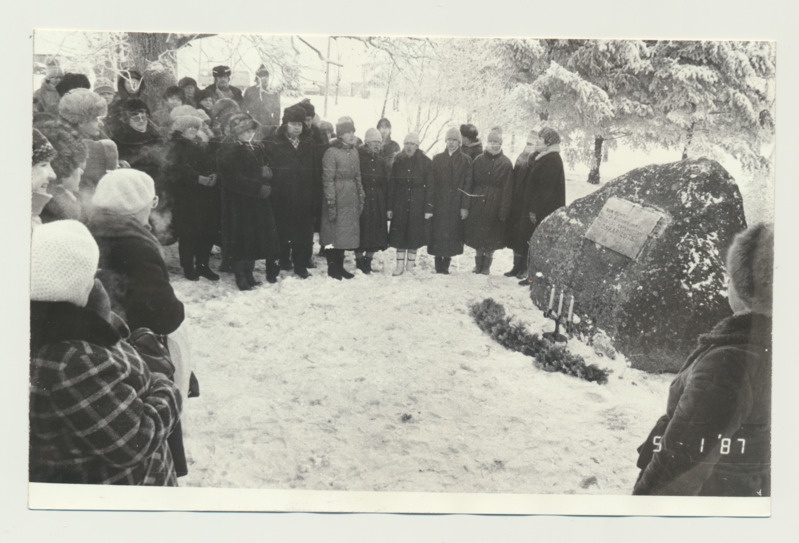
{"x":386,"y":383}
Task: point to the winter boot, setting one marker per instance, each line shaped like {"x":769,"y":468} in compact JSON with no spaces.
{"x":478,"y":263}
{"x":332,"y":264}
{"x":344,"y":273}
{"x":410,"y":265}
{"x":272,"y":270}
{"x":402,"y":256}
{"x":239,"y":269}
{"x":517,"y":266}
{"x":250,"y":267}
{"x":487,"y":260}
{"x":190,"y":274}
{"x":438,"y":261}
{"x":204,"y":271}
{"x":445,"y":262}
{"x":362,"y":263}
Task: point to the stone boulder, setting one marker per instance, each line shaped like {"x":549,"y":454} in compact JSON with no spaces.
{"x":662,"y":281}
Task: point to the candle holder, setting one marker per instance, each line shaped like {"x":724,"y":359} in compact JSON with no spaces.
{"x":559,"y":317}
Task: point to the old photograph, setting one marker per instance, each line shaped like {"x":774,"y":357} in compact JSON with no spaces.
{"x":411,"y":274}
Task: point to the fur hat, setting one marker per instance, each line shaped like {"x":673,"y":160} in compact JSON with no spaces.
{"x":372,"y":134}
{"x":294,"y":114}
{"x":71,"y":81}
{"x":124,"y":191}
{"x":262,"y":71}
{"x":187,"y":82}
{"x":240,"y":123}
{"x":134,"y":105}
{"x":82,"y":105}
{"x":184,"y":110}
{"x":223,"y":107}
{"x":412,"y":137}
{"x":453,"y":134}
{"x":69,"y":145}
{"x":495,"y":134}
{"x":184,"y":122}
{"x":549,"y":135}
{"x":64,"y":259}
{"x":43,"y":151}
{"x":750,"y":266}
{"x":327,"y":127}
{"x":344,"y":125}
{"x":310,"y":110}
{"x":384,"y":122}
{"x":220,"y":71}
{"x":103,"y":85}
{"x":469,"y":131}
{"x":53,"y":69}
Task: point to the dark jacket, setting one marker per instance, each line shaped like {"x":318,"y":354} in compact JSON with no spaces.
{"x":63,"y":205}
{"x":134,"y":273}
{"x":489,"y":205}
{"x":144,"y":151}
{"x":452,"y":179}
{"x":343,"y":197}
{"x":547,"y":185}
{"x":715,"y":439}
{"x":374,"y":178}
{"x":264,"y":107}
{"x":195,"y":206}
{"x":293,"y":189}
{"x":236,"y":93}
{"x":97,"y":413}
{"x":248,"y":224}
{"x":519,"y":209}
{"x":389,"y":151}
{"x":409,"y":198}
{"x":473,"y":150}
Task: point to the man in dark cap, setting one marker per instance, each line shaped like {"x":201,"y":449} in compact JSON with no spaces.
{"x":263,"y":105}
{"x":221,"y":86}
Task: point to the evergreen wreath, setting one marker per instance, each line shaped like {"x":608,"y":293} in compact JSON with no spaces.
{"x":547,"y":355}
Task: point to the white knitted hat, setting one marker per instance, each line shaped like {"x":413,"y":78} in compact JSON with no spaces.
{"x":125,"y":191}
{"x":64,"y":259}
{"x":373,"y":134}
{"x":413,"y":137}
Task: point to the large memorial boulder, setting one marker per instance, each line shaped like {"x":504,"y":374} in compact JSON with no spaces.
{"x":643,"y":258}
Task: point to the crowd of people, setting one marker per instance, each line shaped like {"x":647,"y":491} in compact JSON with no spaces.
{"x":231,"y":171}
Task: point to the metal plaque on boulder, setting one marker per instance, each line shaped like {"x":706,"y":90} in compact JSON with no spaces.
{"x":623,"y":226}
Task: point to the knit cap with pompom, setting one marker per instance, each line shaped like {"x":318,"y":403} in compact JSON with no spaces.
{"x":64,"y":259}
{"x":125,"y":191}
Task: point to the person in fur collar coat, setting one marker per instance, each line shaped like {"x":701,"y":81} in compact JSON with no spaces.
{"x":715,"y":438}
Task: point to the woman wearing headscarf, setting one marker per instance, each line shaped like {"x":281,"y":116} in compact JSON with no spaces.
{"x":489,"y":202}
{"x":343,"y":199}
{"x":410,"y":205}
{"x":715,"y":438}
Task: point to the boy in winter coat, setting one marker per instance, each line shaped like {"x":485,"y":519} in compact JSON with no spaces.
{"x":191,"y":173}
{"x":715,"y":438}
{"x":452,"y":181}
{"x":98,"y":415}
{"x":68,"y":166}
{"x":248,"y":224}
{"x":374,"y":178}
{"x":492,"y":190}
{"x":410,"y":205}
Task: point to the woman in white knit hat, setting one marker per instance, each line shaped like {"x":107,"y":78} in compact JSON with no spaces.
{"x":98,"y":415}
{"x":715,"y":438}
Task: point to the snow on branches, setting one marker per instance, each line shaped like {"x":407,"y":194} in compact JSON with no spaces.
{"x":548,"y":356}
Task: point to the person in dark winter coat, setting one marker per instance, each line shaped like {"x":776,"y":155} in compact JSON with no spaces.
{"x":715,"y":438}
{"x":46,"y":97}
{"x":452,"y":181}
{"x":42,"y":175}
{"x":291,"y":159}
{"x":68,"y":166}
{"x":374,"y":178}
{"x":343,"y":200}
{"x":81,"y":110}
{"x":190,"y":90}
{"x":262,"y":104}
{"x":410,"y":205}
{"x":472,"y":146}
{"x":249,"y":232}
{"x":221,"y":87}
{"x":173,"y":97}
{"x":130,"y":84}
{"x":545,"y":191}
{"x":98,"y":414}
{"x":490,"y":202}
{"x":191,"y":171}
{"x":518,"y":208}
{"x":389,"y":148}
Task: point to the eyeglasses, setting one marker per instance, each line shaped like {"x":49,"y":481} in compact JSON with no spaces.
{"x":140,"y":116}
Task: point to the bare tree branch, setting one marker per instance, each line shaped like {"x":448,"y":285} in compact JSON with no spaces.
{"x":319,"y":53}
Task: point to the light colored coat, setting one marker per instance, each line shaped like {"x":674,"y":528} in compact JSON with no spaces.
{"x":342,"y":199}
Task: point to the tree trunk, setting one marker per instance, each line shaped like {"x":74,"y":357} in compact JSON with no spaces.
{"x":688,"y":141}
{"x":388,"y":90}
{"x":593,"y":175}
{"x":147,"y":47}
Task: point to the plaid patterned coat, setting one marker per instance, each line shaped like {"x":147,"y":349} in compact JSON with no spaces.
{"x":97,"y":413}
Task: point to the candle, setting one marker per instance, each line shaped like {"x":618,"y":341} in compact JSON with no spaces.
{"x":571,"y":307}
{"x":560,"y":302}
{"x":551,"y":296}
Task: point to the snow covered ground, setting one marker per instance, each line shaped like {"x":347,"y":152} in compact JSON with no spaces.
{"x":386,"y":383}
